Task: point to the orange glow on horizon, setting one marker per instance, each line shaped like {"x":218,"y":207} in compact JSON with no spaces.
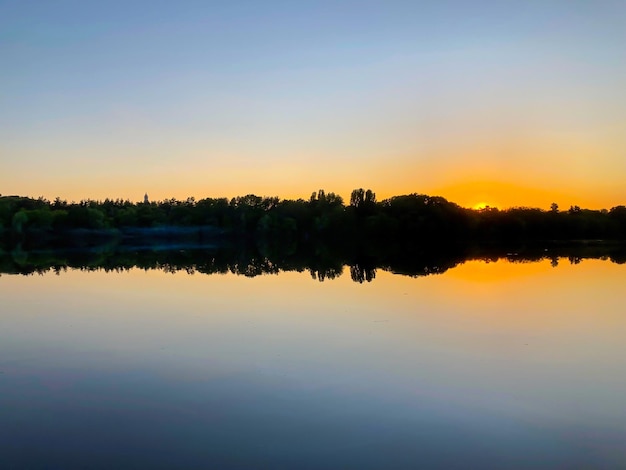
{"x":504,"y":195}
{"x":465,"y":190}
{"x":482,"y":205}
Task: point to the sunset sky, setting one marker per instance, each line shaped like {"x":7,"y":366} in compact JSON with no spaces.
{"x":502,"y":103}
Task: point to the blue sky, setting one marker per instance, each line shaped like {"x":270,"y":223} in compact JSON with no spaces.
{"x":473,"y":100}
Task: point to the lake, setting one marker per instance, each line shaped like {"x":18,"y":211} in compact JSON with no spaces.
{"x":487,"y":365}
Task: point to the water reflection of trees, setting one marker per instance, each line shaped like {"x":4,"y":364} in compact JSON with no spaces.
{"x":321,"y":264}
{"x":360,"y":273}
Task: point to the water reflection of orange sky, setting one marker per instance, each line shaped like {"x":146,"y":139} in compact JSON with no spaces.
{"x":471,"y":281}
{"x":502,"y":270}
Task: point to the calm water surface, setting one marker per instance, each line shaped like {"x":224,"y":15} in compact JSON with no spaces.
{"x":490,"y":365}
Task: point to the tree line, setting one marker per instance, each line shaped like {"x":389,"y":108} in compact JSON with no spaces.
{"x":324,"y":217}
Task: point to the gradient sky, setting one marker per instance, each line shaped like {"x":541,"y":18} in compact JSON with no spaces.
{"x":504,"y":102}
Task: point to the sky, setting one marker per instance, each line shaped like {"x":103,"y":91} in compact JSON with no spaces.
{"x":505,"y":103}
